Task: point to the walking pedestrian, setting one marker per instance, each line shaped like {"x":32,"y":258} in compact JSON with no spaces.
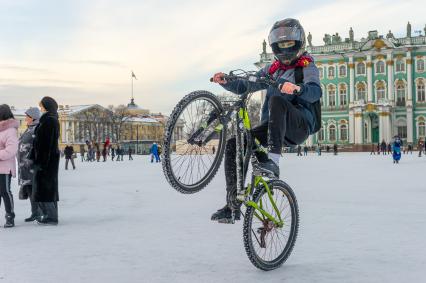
{"x":130,"y":153}
{"x":305,"y":150}
{"x":335,"y":149}
{"x":69,"y":156}
{"x":112,"y":153}
{"x":8,"y":149}
{"x":45,"y":155}
{"x":25,"y":164}
{"x":104,"y":153}
{"x":299,"y":150}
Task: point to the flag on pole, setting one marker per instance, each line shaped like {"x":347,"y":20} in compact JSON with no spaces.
{"x":133,"y":75}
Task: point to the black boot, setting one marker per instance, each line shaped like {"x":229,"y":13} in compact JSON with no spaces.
{"x":44,"y":220}
{"x":10,"y":220}
{"x":226,"y":215}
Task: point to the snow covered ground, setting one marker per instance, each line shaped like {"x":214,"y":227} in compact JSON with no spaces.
{"x":363,"y":219}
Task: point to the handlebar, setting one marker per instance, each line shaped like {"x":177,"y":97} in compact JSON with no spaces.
{"x":253,"y":78}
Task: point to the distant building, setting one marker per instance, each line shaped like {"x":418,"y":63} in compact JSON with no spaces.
{"x":373,"y":89}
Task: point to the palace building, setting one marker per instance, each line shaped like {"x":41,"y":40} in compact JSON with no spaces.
{"x":373,"y":88}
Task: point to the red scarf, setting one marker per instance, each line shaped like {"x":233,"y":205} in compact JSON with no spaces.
{"x":303,"y":61}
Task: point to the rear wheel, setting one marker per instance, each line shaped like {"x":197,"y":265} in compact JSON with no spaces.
{"x":194,"y":142}
{"x":268,"y":246}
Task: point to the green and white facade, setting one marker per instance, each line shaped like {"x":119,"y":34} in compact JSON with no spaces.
{"x":373,"y":89}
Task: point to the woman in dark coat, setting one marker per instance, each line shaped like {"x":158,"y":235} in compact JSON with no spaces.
{"x":25,"y":164}
{"x":46,"y":157}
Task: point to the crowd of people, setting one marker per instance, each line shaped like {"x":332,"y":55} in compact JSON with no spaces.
{"x":38,"y":156}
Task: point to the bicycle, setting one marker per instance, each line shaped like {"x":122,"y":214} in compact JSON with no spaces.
{"x":200,"y":122}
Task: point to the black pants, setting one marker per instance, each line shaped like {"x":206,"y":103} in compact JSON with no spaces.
{"x":72,"y":162}
{"x":49,"y":210}
{"x":286,"y":126}
{"x":6,"y":193}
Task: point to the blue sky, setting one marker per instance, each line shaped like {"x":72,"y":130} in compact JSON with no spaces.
{"x":82,"y":52}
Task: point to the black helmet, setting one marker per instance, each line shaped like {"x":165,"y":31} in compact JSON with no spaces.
{"x":287,"y":30}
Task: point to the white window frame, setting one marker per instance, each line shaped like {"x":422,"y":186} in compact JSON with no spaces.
{"x":356,"y":69}
{"x":346,"y":71}
{"x":384,"y":67}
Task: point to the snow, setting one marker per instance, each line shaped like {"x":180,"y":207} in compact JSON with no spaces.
{"x":363,"y":219}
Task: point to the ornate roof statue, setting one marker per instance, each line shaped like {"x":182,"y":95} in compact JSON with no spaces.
{"x":424,"y":30}
{"x":327,"y":39}
{"x":389,"y":35}
{"x":408,"y":29}
{"x":310,"y":39}
{"x":351,"y":35}
{"x":264,"y":46}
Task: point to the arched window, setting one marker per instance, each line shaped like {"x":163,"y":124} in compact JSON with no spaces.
{"x":420,"y":89}
{"x":400,"y":93}
{"x":332,"y":133}
{"x":343,"y":94}
{"x":361,"y":91}
{"x":344,"y":132}
{"x":400,"y":65}
{"x":321,"y":72}
{"x":420,"y":66}
{"x":331,"y":72}
{"x":360,"y":69}
{"x":342,"y":71}
{"x":380,"y":90}
{"x":380,"y":67}
{"x":331,"y":95}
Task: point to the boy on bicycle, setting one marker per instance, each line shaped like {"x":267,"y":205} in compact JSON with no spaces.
{"x":289,"y":114}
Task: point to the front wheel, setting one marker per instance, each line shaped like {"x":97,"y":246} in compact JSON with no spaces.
{"x":194,"y":142}
{"x":267,"y":245}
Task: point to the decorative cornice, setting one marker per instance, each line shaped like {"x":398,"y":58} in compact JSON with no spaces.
{"x":389,"y":62}
{"x":409,"y":61}
{"x":358,"y":115}
{"x":351,"y":65}
{"x":369,"y":64}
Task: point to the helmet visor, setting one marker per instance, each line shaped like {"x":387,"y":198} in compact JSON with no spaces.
{"x":284,"y":33}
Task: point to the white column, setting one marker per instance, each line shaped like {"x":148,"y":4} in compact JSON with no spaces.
{"x":358,"y":127}
{"x":389,"y":63}
{"x":410,"y":131}
{"x":351,"y":80}
{"x":382,"y":129}
{"x":64,"y":131}
{"x":409,"y":79}
{"x":351,"y":127}
{"x":369,"y":79}
{"x":73,"y":128}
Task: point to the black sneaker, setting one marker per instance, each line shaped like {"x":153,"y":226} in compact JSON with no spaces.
{"x":224,"y":215}
{"x":268,"y":167}
{"x":31,"y":218}
{"x":10,"y":221}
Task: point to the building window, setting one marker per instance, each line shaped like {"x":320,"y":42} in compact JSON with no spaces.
{"x":420,"y":91}
{"x":421,"y":128}
{"x":321,"y":72}
{"x":360,"y":69}
{"x":400,"y":66}
{"x":361,"y":91}
{"x":380,"y":90}
{"x":331,"y":95}
{"x":343,"y":94}
{"x":380,"y":67}
{"x":420,"y":65}
{"x":402,"y":132}
{"x":342,"y":71}
{"x":365,"y":132}
{"x":343,"y":132}
{"x":331,"y":72}
{"x":332,"y":133}
{"x":321,"y":134}
{"x":400,"y":94}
